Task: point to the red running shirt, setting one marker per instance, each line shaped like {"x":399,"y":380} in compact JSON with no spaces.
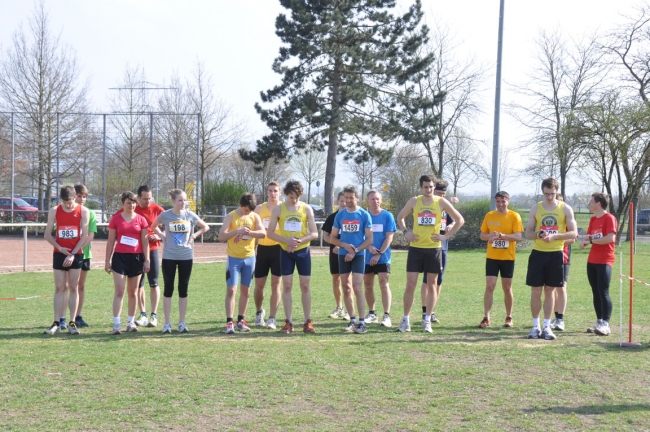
{"x":150,"y":214}
{"x":68,"y":227}
{"x":128,"y":233}
{"x":598,"y":228}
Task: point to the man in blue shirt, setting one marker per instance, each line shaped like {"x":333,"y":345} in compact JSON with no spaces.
{"x":355,"y":226}
{"x":378,"y":258}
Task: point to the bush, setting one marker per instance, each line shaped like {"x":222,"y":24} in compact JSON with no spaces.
{"x":226,"y":193}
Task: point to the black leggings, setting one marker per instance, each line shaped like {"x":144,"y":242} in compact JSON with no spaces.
{"x":599,"y":276}
{"x":169,"y":275}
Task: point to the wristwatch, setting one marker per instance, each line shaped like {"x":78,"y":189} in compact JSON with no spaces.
{"x":356,"y":250}
{"x":405,"y":231}
{"x":590,"y":240}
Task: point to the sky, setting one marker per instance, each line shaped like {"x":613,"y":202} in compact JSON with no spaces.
{"x":236,"y":41}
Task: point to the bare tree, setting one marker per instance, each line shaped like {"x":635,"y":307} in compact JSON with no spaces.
{"x":40,"y":76}
{"x":463,"y":161}
{"x":455,"y":86}
{"x":310,"y":165}
{"x":402,"y":174}
{"x":564,"y":79}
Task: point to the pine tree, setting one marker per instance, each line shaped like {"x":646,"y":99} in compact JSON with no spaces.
{"x":344,"y":64}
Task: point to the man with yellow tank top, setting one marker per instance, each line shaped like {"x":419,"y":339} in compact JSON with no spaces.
{"x":550,"y":223}
{"x":268,"y":258}
{"x":425,"y":253}
{"x":297,"y":228}
{"x":502,"y":229}
{"x":240,"y":228}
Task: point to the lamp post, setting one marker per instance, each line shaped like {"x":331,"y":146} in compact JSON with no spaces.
{"x":157,"y":184}
{"x":318,"y":186}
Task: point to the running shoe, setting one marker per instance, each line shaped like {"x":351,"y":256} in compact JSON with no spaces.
{"x":434,"y":318}
{"x":592,"y":329}
{"x":182,"y":328}
{"x":270,"y":324}
{"x":131,"y":327}
{"x":361,"y":328}
{"x":559,"y":324}
{"x":427,"y":327}
{"x":53,"y":329}
{"x":62,"y":325}
{"x":423,"y":319}
{"x":404,"y":326}
{"x":72,"y":328}
{"x":386,"y":322}
{"x":308,"y":327}
{"x":80,"y":321}
{"x":142,"y":321}
{"x":485,"y":323}
{"x":230,"y":327}
{"x":349,"y":328}
{"x":117,"y":330}
{"x":535,"y":333}
{"x":167,"y":328}
{"x":345,"y":316}
{"x":153,"y":321}
{"x":259,"y":318}
{"x":371,"y":318}
{"x":287,"y":328}
{"x":547,"y":333}
{"x":337,"y":313}
{"x":603,"y":329}
{"x":242,"y":326}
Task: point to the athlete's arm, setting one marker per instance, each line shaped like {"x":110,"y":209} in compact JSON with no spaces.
{"x":408,"y":208}
{"x":259,"y":232}
{"x":51,"y":220}
{"x":110,"y":246}
{"x":144,"y":234}
{"x":458,"y":218}
{"x":224,"y":232}
{"x":156,"y":228}
{"x":273,"y":224}
{"x":530,"y":225}
{"x":368,"y":241}
{"x":311,"y":223}
{"x":83,"y":239}
{"x":571,"y":227}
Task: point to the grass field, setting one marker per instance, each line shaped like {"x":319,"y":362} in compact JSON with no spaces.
{"x":458,"y":378}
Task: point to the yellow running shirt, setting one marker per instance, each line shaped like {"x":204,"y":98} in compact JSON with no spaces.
{"x":509,"y":223}
{"x":265,"y":215}
{"x":552,"y":222}
{"x":426,"y":222}
{"x":293,"y":224}
{"x":245,"y":248}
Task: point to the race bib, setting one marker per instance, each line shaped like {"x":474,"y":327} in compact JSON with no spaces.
{"x":443,"y":225}
{"x":293,"y":226}
{"x":68,"y":232}
{"x":179,"y":226}
{"x":351,"y":226}
{"x":426,"y":219}
{"x":266,"y":222}
{"x":377,"y":227}
{"x":246,"y":237}
{"x":549,"y":229}
{"x":595,"y":236}
{"x":129,"y":241}
{"x":500,"y":244}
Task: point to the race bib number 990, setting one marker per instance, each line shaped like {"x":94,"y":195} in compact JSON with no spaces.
{"x":500,"y":244}
{"x":351,"y":226}
{"x":427,"y":219}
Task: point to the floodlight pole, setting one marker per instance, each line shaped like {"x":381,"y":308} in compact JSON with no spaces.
{"x":629,"y":343}
{"x":497,"y":112}
{"x":104,"y":169}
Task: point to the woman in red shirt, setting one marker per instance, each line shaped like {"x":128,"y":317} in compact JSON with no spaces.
{"x":127,"y":257}
{"x":601,"y":235}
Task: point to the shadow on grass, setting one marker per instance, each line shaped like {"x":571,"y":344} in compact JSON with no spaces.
{"x":590,"y":409}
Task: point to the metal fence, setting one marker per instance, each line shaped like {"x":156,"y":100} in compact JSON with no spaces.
{"x":108,"y":152}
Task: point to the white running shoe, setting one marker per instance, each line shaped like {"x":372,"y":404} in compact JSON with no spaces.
{"x":427,"y":327}
{"x":242,"y":326}
{"x":182,"y":328}
{"x":535,"y":332}
{"x":259,"y":318}
{"x":117,"y":329}
{"x":230,"y":327}
{"x":404,"y":326}
{"x":548,"y":334}
{"x":603,"y":329}
{"x":434,"y":318}
{"x":336,"y":313}
{"x":386,"y":322}
{"x":345,"y":316}
{"x":131,"y":327}
{"x":53,"y":329}
{"x":558,"y":324}
{"x":142,"y":321}
{"x":350,"y":327}
{"x":270,"y":324}
{"x":592,"y":329}
{"x":371,"y":318}
{"x":72,"y":328}
{"x":361,"y":328}
{"x":153,"y":321}
{"x":167,"y":328}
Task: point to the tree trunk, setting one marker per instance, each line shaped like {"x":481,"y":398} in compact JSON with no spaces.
{"x":333,"y":139}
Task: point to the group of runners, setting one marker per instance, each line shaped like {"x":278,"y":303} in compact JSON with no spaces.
{"x":275,"y":236}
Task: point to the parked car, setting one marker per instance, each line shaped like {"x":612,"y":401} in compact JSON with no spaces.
{"x":33,"y":201}
{"x":319,"y":212}
{"x":643,"y":221}
{"x":22,"y":210}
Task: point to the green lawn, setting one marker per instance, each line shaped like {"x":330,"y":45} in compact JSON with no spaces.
{"x":458,"y":378}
